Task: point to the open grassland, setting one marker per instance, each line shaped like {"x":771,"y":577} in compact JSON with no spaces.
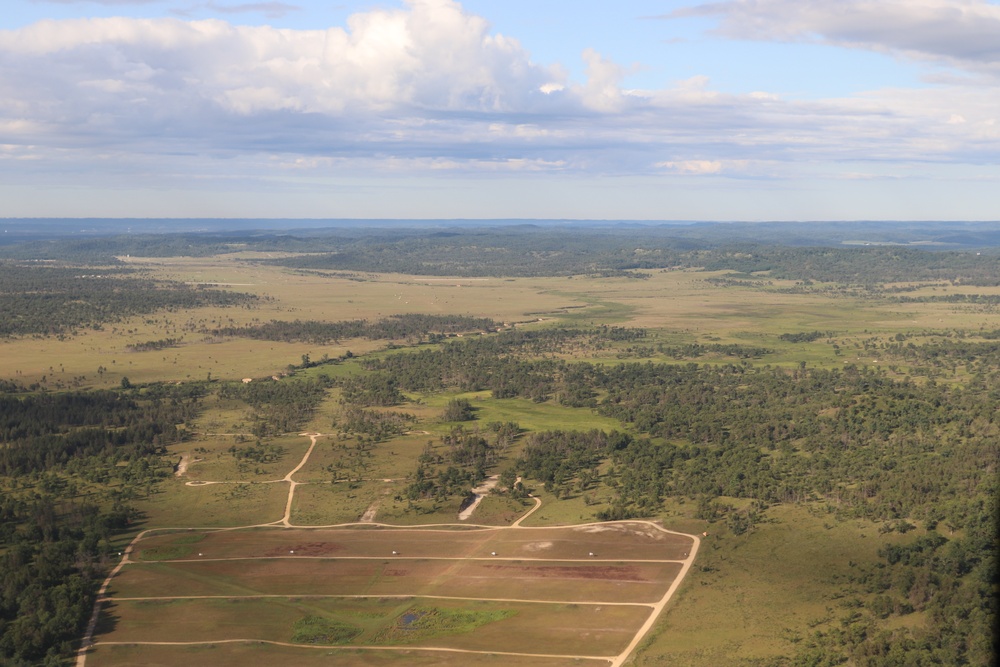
{"x":679,"y":303}
{"x":555,"y":629}
{"x":758,"y":595}
{"x":231,"y":504}
{"x":326,"y":504}
{"x":612,"y":541}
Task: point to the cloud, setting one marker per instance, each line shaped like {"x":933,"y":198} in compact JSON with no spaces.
{"x":602,"y":91}
{"x":429,"y":88}
{"x":269,"y":9}
{"x":696,"y":167}
{"x":959,"y":33}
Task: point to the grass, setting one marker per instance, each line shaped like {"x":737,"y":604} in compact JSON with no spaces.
{"x":215,"y":505}
{"x":403,"y":622}
{"x":321,"y":630}
{"x":420,"y":623}
{"x":753,"y":596}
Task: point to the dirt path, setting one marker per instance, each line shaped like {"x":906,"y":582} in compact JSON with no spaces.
{"x":182,"y":465}
{"x":286,"y":520}
{"x":480,"y":492}
{"x":433,"y":649}
{"x":369,"y":515}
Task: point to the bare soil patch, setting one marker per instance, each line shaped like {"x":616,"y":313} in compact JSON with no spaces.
{"x":306,"y":549}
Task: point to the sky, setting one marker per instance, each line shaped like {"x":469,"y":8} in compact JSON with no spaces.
{"x":565,"y":109}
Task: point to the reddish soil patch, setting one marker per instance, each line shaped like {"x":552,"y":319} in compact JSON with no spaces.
{"x":396,"y":572}
{"x":608,"y":572}
{"x":306,"y":549}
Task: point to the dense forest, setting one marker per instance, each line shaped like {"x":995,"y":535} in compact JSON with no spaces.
{"x":72,"y":463}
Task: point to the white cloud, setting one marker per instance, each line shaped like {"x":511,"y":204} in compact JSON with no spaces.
{"x":696,"y":167}
{"x":602,"y":91}
{"x":959,"y":33}
{"x":431,"y":55}
{"x":429,"y":88}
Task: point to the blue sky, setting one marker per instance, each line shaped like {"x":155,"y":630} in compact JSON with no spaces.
{"x":636,"y":109}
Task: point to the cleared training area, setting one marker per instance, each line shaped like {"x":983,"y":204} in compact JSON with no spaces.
{"x":376,"y":594}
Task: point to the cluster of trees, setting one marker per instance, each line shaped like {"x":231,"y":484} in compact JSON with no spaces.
{"x":377,"y":389}
{"x":378,"y":425}
{"x":951,"y":580}
{"x":51,"y":300}
{"x":278,"y":407}
{"x":804,"y":336}
{"x":694,"y":351}
{"x":411,"y":326}
{"x":468,"y":455}
{"x":459,"y":410}
{"x":152,"y":345}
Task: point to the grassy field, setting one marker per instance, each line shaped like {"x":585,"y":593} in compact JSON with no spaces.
{"x":554,"y":629}
{"x":570,"y":591}
{"x":727,"y":612}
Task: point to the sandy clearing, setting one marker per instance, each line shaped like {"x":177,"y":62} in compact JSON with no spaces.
{"x":480,"y":493}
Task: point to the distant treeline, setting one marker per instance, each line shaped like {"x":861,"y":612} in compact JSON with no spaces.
{"x":530,"y":250}
{"x":394,"y":327}
{"x":49,"y":300}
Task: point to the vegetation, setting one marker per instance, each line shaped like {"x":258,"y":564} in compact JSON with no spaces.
{"x":419,"y":623}
{"x":324,"y":631}
{"x":876,"y":422}
{"x":50,"y":300}
{"x":73,"y":464}
{"x":399,"y":327}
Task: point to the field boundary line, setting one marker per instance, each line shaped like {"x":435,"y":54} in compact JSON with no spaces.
{"x":341,"y":647}
{"x":394,"y":596}
{"x":403,"y":558}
